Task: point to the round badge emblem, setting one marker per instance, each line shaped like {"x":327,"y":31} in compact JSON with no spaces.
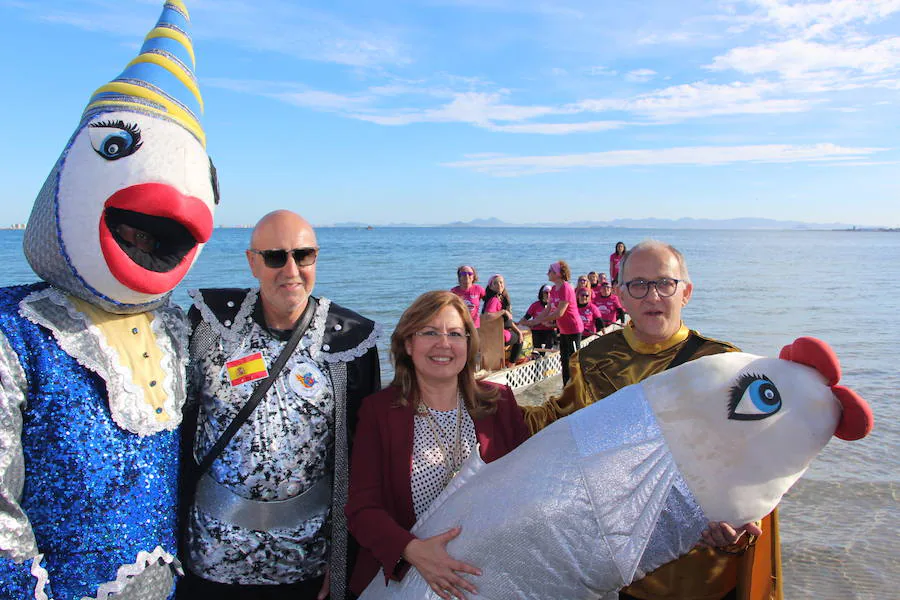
{"x":307,"y":380}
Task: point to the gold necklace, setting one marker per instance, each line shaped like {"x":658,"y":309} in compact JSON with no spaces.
{"x":452,"y":464}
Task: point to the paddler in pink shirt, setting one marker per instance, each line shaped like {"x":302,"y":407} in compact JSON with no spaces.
{"x":608,"y":304}
{"x":470,"y":292}
{"x":563,"y":308}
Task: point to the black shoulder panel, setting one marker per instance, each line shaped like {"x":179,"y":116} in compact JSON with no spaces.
{"x":224,"y":302}
{"x":345,"y":329}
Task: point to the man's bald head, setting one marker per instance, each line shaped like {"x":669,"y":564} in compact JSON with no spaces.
{"x":284,"y":291}
{"x":279,"y":220}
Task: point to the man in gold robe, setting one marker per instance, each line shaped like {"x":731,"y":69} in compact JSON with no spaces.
{"x":654,"y":286}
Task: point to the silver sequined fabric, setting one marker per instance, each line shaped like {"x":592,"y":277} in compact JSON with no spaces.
{"x":284,"y":448}
{"x":17,"y":540}
{"x":577,"y":512}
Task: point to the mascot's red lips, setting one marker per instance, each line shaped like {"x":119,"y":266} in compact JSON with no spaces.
{"x":175,"y":223}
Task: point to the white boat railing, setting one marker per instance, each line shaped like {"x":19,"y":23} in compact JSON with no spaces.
{"x":527,"y":374}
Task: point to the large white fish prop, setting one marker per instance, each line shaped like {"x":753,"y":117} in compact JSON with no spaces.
{"x":92,"y":358}
{"x":606,"y":495}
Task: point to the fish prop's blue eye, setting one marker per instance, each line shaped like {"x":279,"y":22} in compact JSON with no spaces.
{"x":753,"y":397}
{"x":115,"y":140}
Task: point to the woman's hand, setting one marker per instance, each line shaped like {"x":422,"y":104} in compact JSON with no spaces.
{"x":439,"y":569}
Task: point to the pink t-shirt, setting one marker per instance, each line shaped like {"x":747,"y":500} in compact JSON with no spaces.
{"x":472,"y":299}
{"x":494,"y":306}
{"x":588,"y":313}
{"x":608,"y":307}
{"x":533,"y":311}
{"x":569,"y":322}
{"x":614,"y":260}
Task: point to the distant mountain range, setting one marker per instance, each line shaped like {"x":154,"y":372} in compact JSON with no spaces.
{"x":684,"y":223}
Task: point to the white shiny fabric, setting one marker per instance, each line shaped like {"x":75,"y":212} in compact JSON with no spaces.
{"x":580,"y":510}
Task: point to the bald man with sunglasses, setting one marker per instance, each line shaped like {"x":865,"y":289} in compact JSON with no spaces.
{"x":276,"y":377}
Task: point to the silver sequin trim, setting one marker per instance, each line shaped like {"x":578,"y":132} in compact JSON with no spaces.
{"x":42,"y":576}
{"x":142,"y":579}
{"x":17,"y":539}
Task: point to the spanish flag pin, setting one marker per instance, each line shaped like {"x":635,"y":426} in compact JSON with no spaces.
{"x":247,"y":368}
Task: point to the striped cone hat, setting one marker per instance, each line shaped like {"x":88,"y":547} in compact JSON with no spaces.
{"x":161,"y":80}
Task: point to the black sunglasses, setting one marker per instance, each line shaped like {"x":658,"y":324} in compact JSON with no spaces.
{"x":276,"y":259}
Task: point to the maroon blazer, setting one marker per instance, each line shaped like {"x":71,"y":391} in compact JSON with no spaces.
{"x":380,"y":507}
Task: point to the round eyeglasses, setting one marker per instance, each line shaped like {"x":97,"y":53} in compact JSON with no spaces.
{"x":639,"y":288}
{"x":433,"y":335}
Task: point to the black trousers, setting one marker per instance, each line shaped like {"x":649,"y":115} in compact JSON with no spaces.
{"x":515,"y":345}
{"x":542,"y":338}
{"x":568,"y":345}
{"x":192,"y":587}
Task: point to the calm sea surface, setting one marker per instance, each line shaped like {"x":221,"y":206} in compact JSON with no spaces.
{"x":757,"y":289}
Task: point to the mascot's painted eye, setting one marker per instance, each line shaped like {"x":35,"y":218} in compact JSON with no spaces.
{"x":115,"y":139}
{"x":753,"y":397}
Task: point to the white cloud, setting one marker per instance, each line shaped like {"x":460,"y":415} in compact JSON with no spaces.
{"x":701,"y":99}
{"x":794,"y":58}
{"x":280,"y":26}
{"x":482,"y":109}
{"x":508,"y":166}
{"x":640,"y":75}
{"x":561,"y":128}
{"x":602,"y":71}
{"x":323,"y":100}
{"x":820,"y":19}
{"x":671,"y":37}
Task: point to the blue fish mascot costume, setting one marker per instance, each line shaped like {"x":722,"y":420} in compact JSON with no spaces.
{"x":92,"y":359}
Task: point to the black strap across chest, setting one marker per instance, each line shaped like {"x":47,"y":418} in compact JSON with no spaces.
{"x":260,"y":391}
{"x":691,"y":346}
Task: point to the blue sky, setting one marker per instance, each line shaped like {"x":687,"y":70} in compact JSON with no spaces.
{"x":431,"y":111}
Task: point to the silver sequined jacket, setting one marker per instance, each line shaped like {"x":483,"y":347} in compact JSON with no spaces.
{"x":295,"y":437}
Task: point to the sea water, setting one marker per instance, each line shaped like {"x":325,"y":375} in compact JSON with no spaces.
{"x":757,"y":289}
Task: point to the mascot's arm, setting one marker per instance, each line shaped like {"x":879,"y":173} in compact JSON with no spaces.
{"x":574,"y":397}
{"x":21,"y":575}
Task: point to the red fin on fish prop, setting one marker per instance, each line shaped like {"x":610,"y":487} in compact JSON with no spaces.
{"x":814,"y":353}
{"x":856,"y":418}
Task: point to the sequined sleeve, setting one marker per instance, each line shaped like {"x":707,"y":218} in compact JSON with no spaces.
{"x":17,"y":541}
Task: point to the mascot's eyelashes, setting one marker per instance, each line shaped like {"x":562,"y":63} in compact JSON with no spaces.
{"x":214,"y":180}
{"x":753,"y":397}
{"x":115,"y":139}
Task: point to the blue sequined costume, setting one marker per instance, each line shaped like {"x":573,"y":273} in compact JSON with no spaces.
{"x":84,"y":504}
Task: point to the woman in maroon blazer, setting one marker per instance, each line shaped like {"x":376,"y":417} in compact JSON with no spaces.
{"x":413,"y":436}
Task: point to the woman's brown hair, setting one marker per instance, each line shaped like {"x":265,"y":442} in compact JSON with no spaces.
{"x":480,"y":399}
